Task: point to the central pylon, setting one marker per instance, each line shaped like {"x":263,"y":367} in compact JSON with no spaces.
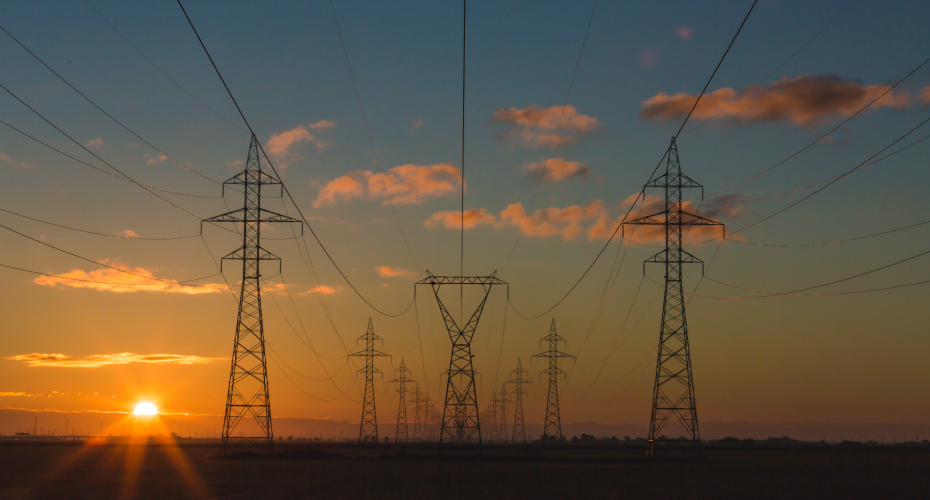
{"x":460,"y":422}
{"x":519,"y":428}
{"x":418,"y":414}
{"x":368,"y":427}
{"x":247,"y":392}
{"x":552,"y":430}
{"x":673,"y":393}
{"x":400,"y":433}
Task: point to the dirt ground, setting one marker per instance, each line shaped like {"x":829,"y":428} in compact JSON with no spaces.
{"x":86,"y":470}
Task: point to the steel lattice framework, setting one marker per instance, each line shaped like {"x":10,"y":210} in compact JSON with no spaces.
{"x":673,"y":393}
{"x":519,"y":380}
{"x":460,"y":422}
{"x":418,"y":414}
{"x":502,"y":401}
{"x":400,"y":432}
{"x":247,"y":393}
{"x":553,"y":426}
{"x":368,"y":427}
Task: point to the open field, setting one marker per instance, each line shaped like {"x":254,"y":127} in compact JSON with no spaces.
{"x":152,"y":470}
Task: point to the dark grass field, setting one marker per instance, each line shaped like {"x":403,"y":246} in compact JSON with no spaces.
{"x":82,"y":470}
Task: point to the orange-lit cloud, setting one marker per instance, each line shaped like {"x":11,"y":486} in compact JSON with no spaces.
{"x":98,"y":360}
{"x":280,"y":143}
{"x":402,"y":185}
{"x":558,"y":169}
{"x":9,"y":159}
{"x":128,"y":233}
{"x":805,"y":101}
{"x":565,"y":222}
{"x":18,"y":395}
{"x":393,"y":272}
{"x":684,"y":32}
{"x":452,"y":219}
{"x":151,"y":160}
{"x":111,"y":280}
{"x":322,"y":290}
{"x":536,"y":127}
{"x":96,"y":143}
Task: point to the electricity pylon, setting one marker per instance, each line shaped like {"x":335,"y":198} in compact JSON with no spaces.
{"x":368,"y":427}
{"x":502,"y":401}
{"x":247,"y":392}
{"x":493,"y":418}
{"x":673,"y":393}
{"x":418,"y":414}
{"x":460,"y":422}
{"x":519,"y":429}
{"x":553,"y":426}
{"x":401,"y":380}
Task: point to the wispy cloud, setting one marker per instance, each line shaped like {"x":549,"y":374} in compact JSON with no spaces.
{"x":280,"y":143}
{"x":18,"y":395}
{"x":323,"y":290}
{"x":805,"y":101}
{"x":535,"y":126}
{"x":393,"y":272}
{"x":111,"y":280}
{"x":559,"y":169}
{"x":9,"y":159}
{"x":98,"y":360}
{"x":402,"y":185}
{"x":96,"y":144}
{"x":453,"y":219}
{"x":151,"y":160}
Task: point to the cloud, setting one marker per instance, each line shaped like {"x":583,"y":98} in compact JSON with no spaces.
{"x":684,"y":32}
{"x":98,"y":360}
{"x":649,"y":57}
{"x":595,"y":219}
{"x":393,"y":272}
{"x":275,"y":288}
{"x":280,"y":143}
{"x":96,"y":144}
{"x":128,"y":233}
{"x":151,"y":160}
{"x":558,"y":169}
{"x":111,"y":280}
{"x":806,"y":101}
{"x":323,"y":290}
{"x":17,"y":395}
{"x":418,"y":123}
{"x":402,"y":185}
{"x":9,"y":159}
{"x":536,"y":127}
{"x":453,"y":219}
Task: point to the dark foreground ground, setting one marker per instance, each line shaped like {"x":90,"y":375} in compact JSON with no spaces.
{"x":84,"y":470}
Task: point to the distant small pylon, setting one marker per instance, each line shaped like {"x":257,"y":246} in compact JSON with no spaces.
{"x":400,"y":433}
{"x":519,"y":429}
{"x":502,"y":401}
{"x":418,"y":414}
{"x":368,"y":428}
{"x":553,"y":426}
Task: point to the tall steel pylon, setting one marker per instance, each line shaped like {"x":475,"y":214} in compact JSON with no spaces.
{"x":400,"y":432}
{"x":673,"y":393}
{"x":553,"y":426}
{"x":519,"y":380}
{"x":247,"y":391}
{"x":502,"y":401}
{"x":460,"y":422}
{"x":368,"y":427}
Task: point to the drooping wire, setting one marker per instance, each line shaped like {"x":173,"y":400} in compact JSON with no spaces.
{"x":94,"y":104}
{"x":178,"y":85}
{"x":371,"y":142}
{"x":275,"y":170}
{"x":96,"y":233}
{"x":642,"y":191}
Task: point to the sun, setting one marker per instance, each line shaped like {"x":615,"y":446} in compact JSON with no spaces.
{"x":145,"y":409}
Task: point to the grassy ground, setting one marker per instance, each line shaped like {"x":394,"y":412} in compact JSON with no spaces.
{"x":82,"y":470}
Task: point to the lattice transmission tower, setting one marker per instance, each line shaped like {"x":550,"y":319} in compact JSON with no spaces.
{"x":368,"y":427}
{"x":247,"y":392}
{"x":400,"y":432}
{"x":673,"y":393}
{"x":418,"y":414}
{"x":460,"y":421}
{"x":553,"y":426}
{"x":519,"y":428}
{"x":502,"y":401}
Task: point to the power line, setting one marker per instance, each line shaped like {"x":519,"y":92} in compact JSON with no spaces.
{"x":642,"y":191}
{"x":368,"y":131}
{"x":542,"y":175}
{"x":96,"y":233}
{"x":286,"y":191}
{"x":178,"y":85}
{"x":137,"y":136}
{"x":60,"y":276}
{"x":855,"y":292}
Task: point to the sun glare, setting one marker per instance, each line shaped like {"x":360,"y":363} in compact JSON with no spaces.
{"x":145,"y":409}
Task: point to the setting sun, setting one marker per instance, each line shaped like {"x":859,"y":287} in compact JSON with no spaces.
{"x":145,"y":409}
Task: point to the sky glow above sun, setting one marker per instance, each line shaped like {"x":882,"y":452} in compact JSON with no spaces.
{"x":145,"y":409}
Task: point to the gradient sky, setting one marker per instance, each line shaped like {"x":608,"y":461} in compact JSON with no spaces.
{"x":852,"y":358}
